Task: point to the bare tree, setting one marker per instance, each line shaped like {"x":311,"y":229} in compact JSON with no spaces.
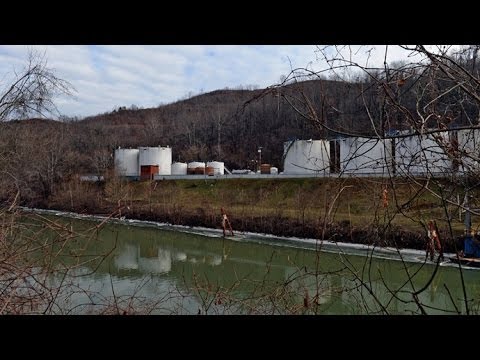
{"x":32,"y":90}
{"x":427,"y":101}
{"x":25,"y":282}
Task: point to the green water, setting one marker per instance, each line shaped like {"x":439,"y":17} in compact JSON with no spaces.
{"x":167,"y":272}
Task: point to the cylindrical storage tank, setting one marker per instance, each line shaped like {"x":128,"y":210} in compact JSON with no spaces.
{"x":265,"y":168}
{"x":194,"y":165}
{"x":179,"y":168}
{"x":209,"y":170}
{"x":274,"y":170}
{"x":218,"y":166}
{"x":156,"y":156}
{"x":126,"y":162}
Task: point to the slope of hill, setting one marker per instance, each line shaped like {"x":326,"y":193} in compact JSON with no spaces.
{"x":226,"y":125}
{"x":222,"y":125}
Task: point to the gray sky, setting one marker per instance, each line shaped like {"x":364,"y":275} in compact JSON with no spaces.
{"x":107,"y":77}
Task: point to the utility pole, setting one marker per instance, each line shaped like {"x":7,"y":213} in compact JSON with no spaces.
{"x":260,"y":157}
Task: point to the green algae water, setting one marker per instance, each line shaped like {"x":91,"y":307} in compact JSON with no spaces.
{"x":128,"y":269}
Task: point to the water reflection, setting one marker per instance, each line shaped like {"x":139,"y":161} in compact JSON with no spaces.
{"x":158,"y":258}
{"x":223,"y":262}
{"x":155,"y":264}
{"x":128,"y":258}
{"x":180,"y":256}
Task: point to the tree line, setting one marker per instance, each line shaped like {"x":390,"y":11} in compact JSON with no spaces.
{"x":230,"y":125}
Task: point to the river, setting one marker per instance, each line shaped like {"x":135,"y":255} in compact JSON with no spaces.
{"x":131,"y":269}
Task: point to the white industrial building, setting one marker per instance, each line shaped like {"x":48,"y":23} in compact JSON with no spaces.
{"x":437,"y":154}
{"x":144,"y":161}
{"x":156,"y":163}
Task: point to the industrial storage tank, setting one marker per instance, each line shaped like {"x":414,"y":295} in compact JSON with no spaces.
{"x":218,"y":167}
{"x":155,"y":160}
{"x":274,"y":170}
{"x":196,"y":167}
{"x":468,"y":148}
{"x":423,"y":154}
{"x":306,"y":157}
{"x":126,"y":162}
{"x":179,"y":168}
{"x":365,"y":156}
{"x":210,"y":171}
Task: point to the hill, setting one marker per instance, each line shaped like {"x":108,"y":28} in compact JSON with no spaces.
{"x":223,"y":125}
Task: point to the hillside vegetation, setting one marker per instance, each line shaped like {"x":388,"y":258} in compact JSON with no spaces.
{"x":37,"y":156}
{"x":350,"y":209}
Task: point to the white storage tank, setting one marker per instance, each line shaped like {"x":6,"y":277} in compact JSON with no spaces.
{"x":218,"y":167}
{"x":274,"y":170}
{"x":307,"y":157}
{"x":423,"y":154}
{"x":126,"y":162}
{"x":194,"y":165}
{"x":468,"y":149}
{"x":179,"y":168}
{"x":156,"y":156}
{"x":365,"y":156}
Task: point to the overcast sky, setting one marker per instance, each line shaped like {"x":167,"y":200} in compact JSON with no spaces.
{"x":106,"y":77}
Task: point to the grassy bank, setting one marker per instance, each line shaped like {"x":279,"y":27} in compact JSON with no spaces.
{"x":350,"y":209}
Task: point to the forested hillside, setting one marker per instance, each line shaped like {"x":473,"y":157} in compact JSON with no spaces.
{"x":37,"y":155}
{"x":224,"y":125}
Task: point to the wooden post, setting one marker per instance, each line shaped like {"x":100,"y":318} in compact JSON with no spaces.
{"x":226,"y":223}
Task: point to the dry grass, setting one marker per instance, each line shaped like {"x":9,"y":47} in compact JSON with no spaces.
{"x":358,"y":201}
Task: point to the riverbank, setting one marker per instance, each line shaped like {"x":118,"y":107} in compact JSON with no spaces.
{"x":350,"y":210}
{"x":387,"y":253}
